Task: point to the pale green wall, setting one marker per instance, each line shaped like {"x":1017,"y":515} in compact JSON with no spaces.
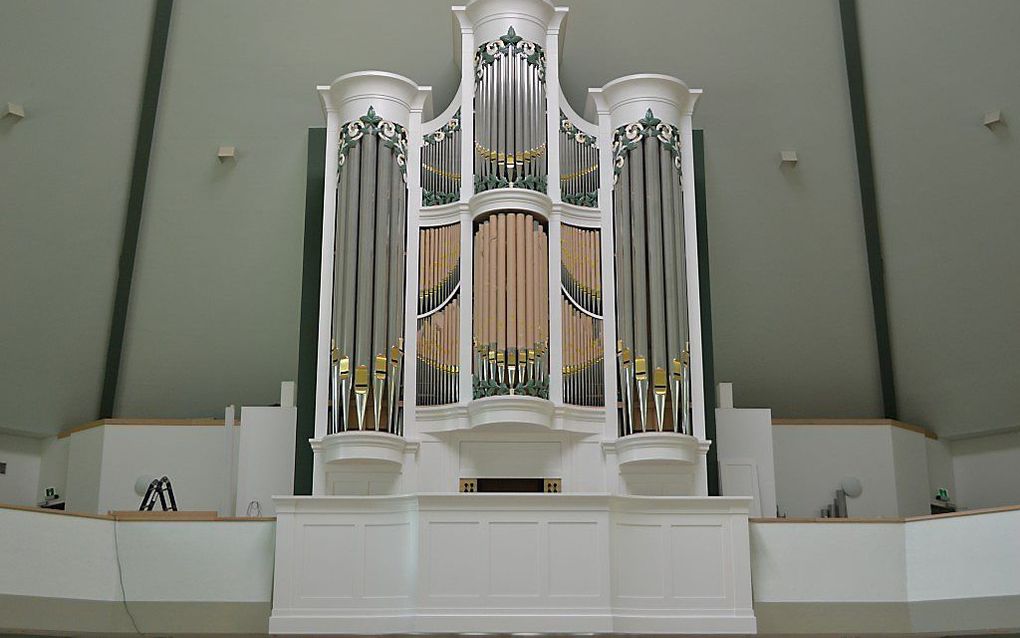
{"x":948,"y":193}
{"x":791,"y":309}
{"x":214,"y":311}
{"x":215,"y":306}
{"x":64,"y":171}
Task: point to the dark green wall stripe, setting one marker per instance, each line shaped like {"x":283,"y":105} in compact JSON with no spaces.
{"x":869,"y":201}
{"x":707,"y":351}
{"x":136,"y":199}
{"x":309,"y":323}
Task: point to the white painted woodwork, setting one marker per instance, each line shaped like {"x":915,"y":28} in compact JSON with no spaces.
{"x":73,"y":575}
{"x":934,"y":574}
{"x":743,"y":439}
{"x":265,"y":458}
{"x":947,"y":574}
{"x":512,"y":563}
{"x":386,"y":544}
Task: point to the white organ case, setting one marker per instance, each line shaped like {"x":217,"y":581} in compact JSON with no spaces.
{"x":509,"y":305}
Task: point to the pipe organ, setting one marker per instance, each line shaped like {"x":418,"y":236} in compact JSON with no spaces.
{"x":509,"y":302}
{"x":451,"y":238}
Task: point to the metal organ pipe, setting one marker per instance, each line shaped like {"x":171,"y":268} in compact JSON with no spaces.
{"x":579,"y":165}
{"x":368,"y":280}
{"x":440,"y":164}
{"x":438,"y":315}
{"x":653,"y":360}
{"x":510,"y":106}
{"x":581,"y":305}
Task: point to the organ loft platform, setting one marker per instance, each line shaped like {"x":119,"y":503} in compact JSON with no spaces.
{"x":510,"y":406}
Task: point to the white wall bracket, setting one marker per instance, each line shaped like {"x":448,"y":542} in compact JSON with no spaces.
{"x":992,"y":118}
{"x":14,"y":111}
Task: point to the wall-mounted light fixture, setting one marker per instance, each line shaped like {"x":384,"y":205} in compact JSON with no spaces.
{"x":788,"y":158}
{"x":14,"y":111}
{"x":225,"y":153}
{"x":992,"y":118}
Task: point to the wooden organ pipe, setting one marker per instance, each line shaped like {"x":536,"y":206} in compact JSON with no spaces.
{"x":581,"y":305}
{"x":511,"y":306}
{"x":438,"y":315}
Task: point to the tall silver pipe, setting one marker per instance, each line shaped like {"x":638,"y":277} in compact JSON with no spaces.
{"x":656,"y":289}
{"x":365,"y":282}
{"x":350,"y":268}
{"x":679,"y":260}
{"x":343,"y":226}
{"x":638,"y":237}
{"x":672,"y":252}
{"x":381,"y":251}
{"x":497,"y":123}
{"x":490,"y":165}
{"x":504,"y":143}
{"x":625,"y":303}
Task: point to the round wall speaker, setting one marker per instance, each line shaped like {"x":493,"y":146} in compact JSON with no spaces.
{"x":852,"y":487}
{"x":142,"y":484}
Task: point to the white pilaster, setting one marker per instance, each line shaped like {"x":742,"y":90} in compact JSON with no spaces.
{"x":605,"y":142}
{"x":326,"y":270}
{"x":467,"y":189}
{"x":318,"y":470}
{"x":552,"y":95}
{"x":691,"y":257}
{"x":467,"y":275}
{"x":414,"y":144}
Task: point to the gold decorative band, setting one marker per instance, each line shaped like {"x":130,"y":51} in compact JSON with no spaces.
{"x":441,"y":172}
{"x":510,"y":159}
{"x":580,"y":173}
